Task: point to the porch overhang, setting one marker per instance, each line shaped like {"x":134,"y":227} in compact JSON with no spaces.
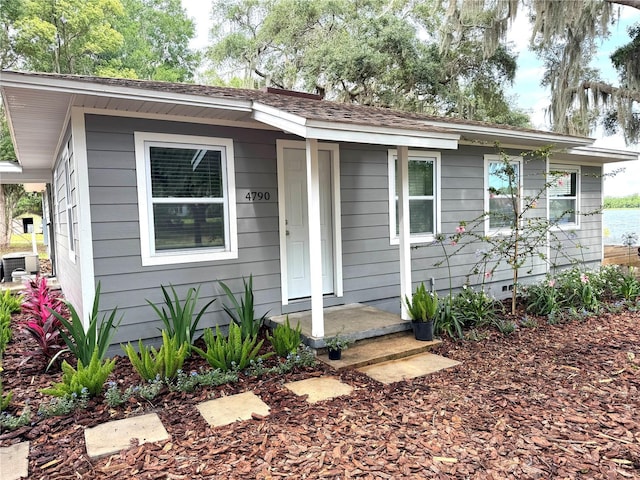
{"x":303,"y":127}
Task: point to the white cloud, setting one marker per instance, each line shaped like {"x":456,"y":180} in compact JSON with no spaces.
{"x":200,"y":12}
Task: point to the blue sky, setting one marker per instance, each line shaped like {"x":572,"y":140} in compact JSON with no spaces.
{"x":527,"y":92}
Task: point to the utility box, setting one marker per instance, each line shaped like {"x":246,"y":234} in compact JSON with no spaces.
{"x":27,"y":261}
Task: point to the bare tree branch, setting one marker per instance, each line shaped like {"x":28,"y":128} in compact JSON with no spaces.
{"x":613,"y":91}
{"x":628,"y":3}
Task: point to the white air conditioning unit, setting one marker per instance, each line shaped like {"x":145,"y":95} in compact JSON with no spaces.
{"x":27,"y":261}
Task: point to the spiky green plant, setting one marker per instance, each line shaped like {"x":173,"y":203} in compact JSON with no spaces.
{"x":242,"y":312}
{"x":285,"y":340}
{"x":165,"y":362}
{"x":178,"y":318}
{"x":231,"y":352}
{"x":98,"y":335}
{"x":83,"y":379}
{"x":423,"y":305}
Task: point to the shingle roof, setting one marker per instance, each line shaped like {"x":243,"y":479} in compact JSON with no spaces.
{"x":311,"y":109}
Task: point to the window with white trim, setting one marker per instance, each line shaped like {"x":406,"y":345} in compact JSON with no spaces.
{"x":67,"y":165}
{"x":186,"y":196}
{"x":503,"y":192}
{"x":564,"y":194}
{"x":424,"y":190}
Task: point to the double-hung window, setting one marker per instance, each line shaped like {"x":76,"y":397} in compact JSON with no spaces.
{"x":503,"y":193}
{"x":564,"y":194}
{"x":186,"y":197}
{"x":424,"y":186}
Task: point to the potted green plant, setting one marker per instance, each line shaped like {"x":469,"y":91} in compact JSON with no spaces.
{"x":422,"y":308}
{"x":335,"y":345}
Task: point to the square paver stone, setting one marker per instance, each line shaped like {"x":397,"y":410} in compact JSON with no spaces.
{"x":226,"y":410}
{"x":111,"y":437}
{"x":14,"y":461}
{"x":410,"y":367}
{"x":319,"y":388}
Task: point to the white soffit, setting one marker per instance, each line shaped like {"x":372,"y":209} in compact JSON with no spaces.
{"x":596,"y":155}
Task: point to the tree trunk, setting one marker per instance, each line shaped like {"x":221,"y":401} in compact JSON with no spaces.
{"x":5,"y":220}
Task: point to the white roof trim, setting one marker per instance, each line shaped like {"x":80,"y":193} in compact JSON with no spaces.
{"x":87,"y":87}
{"x":10,"y":167}
{"x":607,"y":154}
{"x":356,"y":133}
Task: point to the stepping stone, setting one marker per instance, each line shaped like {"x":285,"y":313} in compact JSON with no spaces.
{"x":319,"y":388}
{"x":112,"y":437}
{"x":406,"y":368}
{"x":226,"y":410}
{"x":14,"y":461}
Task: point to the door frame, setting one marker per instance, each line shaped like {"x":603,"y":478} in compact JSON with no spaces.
{"x":334,"y":150}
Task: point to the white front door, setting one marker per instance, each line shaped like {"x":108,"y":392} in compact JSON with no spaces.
{"x":297,"y":225}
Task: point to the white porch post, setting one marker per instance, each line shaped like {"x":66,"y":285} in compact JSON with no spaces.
{"x":403,"y":218}
{"x":315,"y":246}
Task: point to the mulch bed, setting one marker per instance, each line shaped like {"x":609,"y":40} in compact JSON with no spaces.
{"x":547,"y":402}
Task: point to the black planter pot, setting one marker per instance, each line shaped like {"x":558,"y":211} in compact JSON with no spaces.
{"x":423,"y":330}
{"x":335,"y":354}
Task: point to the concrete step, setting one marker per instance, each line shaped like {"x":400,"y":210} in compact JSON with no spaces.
{"x":378,"y":350}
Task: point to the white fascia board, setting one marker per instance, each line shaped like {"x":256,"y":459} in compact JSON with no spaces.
{"x":86,"y":87}
{"x":279,"y":119}
{"x":512,"y":135}
{"x":10,"y":167}
{"x":354,"y":133}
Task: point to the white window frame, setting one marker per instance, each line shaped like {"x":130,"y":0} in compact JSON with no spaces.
{"x":394,"y":238}
{"x":555,"y":167}
{"x":144,"y":140}
{"x":67,"y":159}
{"x":488,"y":160}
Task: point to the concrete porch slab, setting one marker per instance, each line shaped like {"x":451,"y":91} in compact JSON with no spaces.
{"x":111,"y":437}
{"x":406,"y":368}
{"x":319,"y":388}
{"x":354,"y":321}
{"x":14,"y":461}
{"x":226,"y":410}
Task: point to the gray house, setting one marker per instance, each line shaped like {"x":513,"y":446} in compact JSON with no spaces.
{"x":153,"y":183}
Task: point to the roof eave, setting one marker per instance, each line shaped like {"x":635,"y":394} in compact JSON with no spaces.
{"x":352,"y":132}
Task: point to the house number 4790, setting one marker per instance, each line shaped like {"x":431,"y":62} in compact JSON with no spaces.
{"x":257,"y":196}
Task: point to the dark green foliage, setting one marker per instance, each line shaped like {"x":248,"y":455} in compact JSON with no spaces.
{"x":447,"y":320}
{"x":542,"y":298}
{"x":5,"y":329}
{"x":475,"y":308}
{"x":179,"y":318}
{"x":242,"y":313}
{"x":285,"y":340}
{"x":85,"y":379}
{"x":165,"y":362}
{"x":5,"y":400}
{"x":231,"y":352}
{"x":96,"y":339}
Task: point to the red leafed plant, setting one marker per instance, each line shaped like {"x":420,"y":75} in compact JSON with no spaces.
{"x":42,"y":325}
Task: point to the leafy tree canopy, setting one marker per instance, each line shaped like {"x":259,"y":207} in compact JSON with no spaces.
{"x":371,"y":52}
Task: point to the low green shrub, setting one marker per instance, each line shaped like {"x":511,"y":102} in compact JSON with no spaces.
{"x":148,"y":391}
{"x":5,"y":399}
{"x":10,"y":302}
{"x":188,"y":382}
{"x":285,"y":340}
{"x":231,"y":352}
{"x":11,"y":422}
{"x":178,"y":318}
{"x":475,"y":308}
{"x":579,"y":289}
{"x":90,"y":377}
{"x":61,"y":406}
{"x":165,"y":362}
{"x":5,"y":330}
{"x":542,"y":298}
{"x":504,"y":326}
{"x":629,"y":287}
{"x":447,"y":321}
{"x":303,"y":357}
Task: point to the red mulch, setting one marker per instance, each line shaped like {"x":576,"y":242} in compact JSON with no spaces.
{"x":549,"y":402}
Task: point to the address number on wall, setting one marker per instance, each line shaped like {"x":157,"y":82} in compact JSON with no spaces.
{"x":257,"y":196}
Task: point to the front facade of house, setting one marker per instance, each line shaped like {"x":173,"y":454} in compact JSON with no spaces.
{"x":155,"y":184}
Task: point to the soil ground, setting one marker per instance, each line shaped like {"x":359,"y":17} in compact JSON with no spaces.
{"x":555,"y":401}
